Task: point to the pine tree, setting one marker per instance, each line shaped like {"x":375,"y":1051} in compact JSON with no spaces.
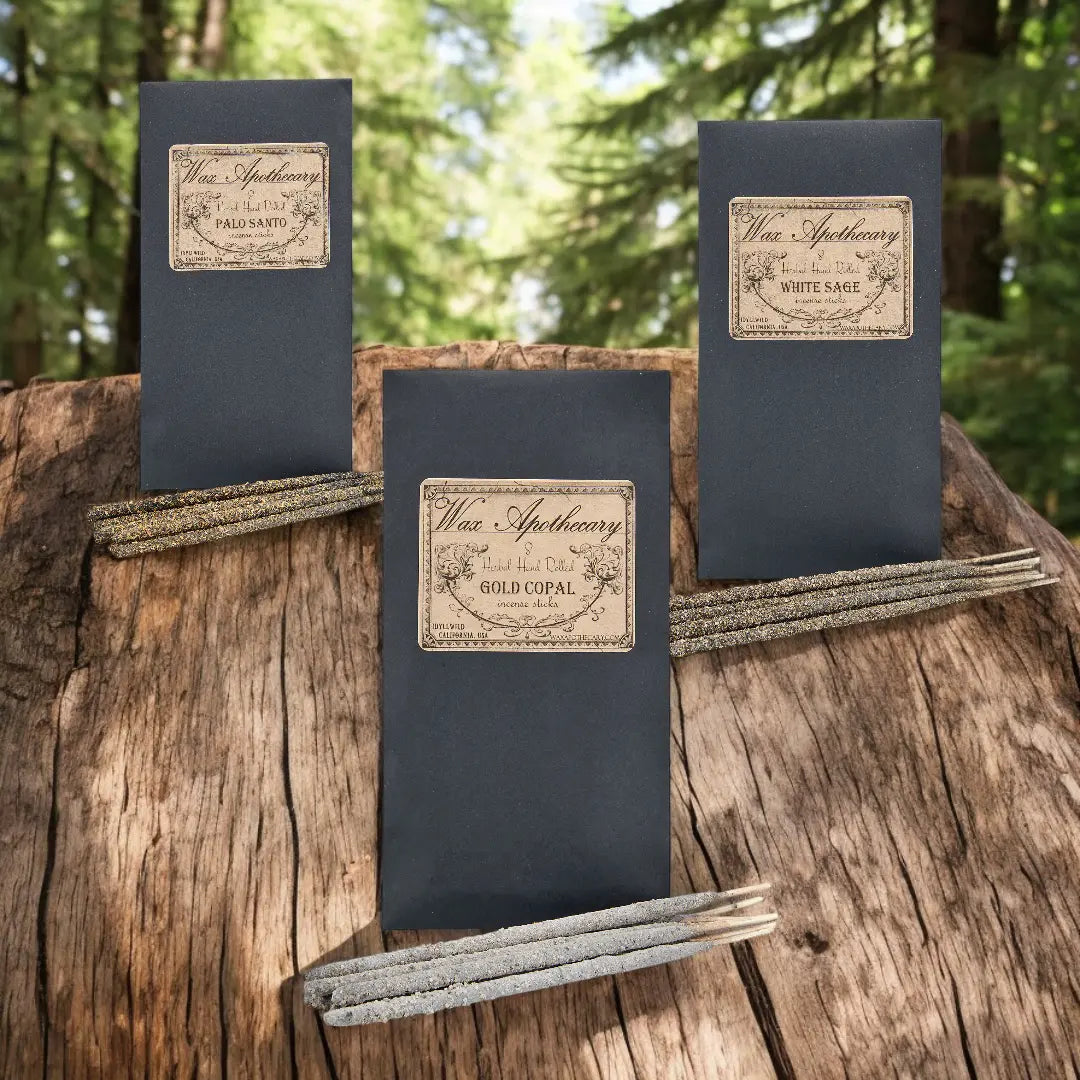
{"x":620,"y":266}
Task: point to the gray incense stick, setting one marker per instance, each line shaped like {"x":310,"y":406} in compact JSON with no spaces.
{"x":645,"y":911}
{"x":470,"y":993}
{"x":426,"y":978}
{"x":871,"y":613}
{"x":178,"y":519}
{"x":514,"y":960}
{"x":516,"y":956}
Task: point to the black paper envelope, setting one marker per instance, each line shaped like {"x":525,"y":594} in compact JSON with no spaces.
{"x":246,"y":199}
{"x":525,"y":645}
{"x":820,"y":343}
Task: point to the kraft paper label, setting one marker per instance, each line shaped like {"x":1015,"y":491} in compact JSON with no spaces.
{"x":520,"y":565}
{"x":820,"y":269}
{"x":249,"y":207}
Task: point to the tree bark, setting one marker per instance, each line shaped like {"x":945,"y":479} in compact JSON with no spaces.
{"x":151,"y":65}
{"x":189,"y":748}
{"x":966,"y":49}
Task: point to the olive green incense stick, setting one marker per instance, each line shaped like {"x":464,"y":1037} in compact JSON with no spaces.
{"x":809,"y":605}
{"x":172,"y":499}
{"x":871,"y":613}
{"x":179,"y":519}
{"x":716,"y":601}
{"x":839,"y":578}
{"x":123,"y":550}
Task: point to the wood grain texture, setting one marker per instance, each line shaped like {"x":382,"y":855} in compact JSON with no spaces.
{"x":188,"y":799}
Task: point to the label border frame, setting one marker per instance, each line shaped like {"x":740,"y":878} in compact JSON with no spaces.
{"x":901,"y":202}
{"x":625,"y":488}
{"x":322,"y":149}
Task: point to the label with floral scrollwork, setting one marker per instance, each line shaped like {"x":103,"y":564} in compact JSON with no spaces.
{"x":527,"y":565}
{"x":249,"y":207}
{"x":821,"y":269}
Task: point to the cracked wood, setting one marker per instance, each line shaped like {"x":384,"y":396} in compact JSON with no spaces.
{"x":188,"y":798}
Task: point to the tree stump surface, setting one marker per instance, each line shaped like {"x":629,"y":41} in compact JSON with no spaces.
{"x":189,"y":798}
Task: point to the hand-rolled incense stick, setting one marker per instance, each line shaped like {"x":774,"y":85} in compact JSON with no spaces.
{"x":517,"y":959}
{"x":504,"y":946}
{"x":471,"y":993}
{"x":717,"y":601}
{"x":644,"y":911}
{"x":178,"y":519}
{"x":838,"y":578}
{"x":428,"y":978}
{"x":808,"y":605}
{"x":850,"y":617}
{"x":223,"y":511}
{"x":239,"y":528}
{"x":230,"y":491}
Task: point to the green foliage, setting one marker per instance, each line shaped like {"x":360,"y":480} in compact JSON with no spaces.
{"x":620,"y":262}
{"x":429,"y":85}
{"x":510,"y":182}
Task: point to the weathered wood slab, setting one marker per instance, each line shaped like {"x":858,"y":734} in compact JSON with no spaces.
{"x":188,"y":799}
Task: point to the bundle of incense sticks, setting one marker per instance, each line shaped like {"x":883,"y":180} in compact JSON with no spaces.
{"x":719,"y":618}
{"x":428,"y":978}
{"x":181,"y":518}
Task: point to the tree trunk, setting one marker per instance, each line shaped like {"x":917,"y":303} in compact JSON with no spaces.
{"x":98,"y":190}
{"x":151,"y":65}
{"x":189,"y":763}
{"x":967,"y":49}
{"x":24,"y":343}
{"x":212,"y":30}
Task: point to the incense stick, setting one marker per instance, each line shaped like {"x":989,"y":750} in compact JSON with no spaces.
{"x":835,"y":579}
{"x":718,"y":603}
{"x":179,"y":519}
{"x":517,"y":959}
{"x":123,"y":550}
{"x":172,"y":499}
{"x":850,"y":617}
{"x":206,"y":515}
{"x":472,"y":993}
{"x":507,"y":950}
{"x":809,"y":605}
{"x":427,"y":978}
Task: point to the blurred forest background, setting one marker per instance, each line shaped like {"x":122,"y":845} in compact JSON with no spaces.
{"x":527,"y":168}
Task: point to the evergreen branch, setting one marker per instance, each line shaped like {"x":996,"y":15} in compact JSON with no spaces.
{"x":678,"y":24}
{"x":693,"y":82}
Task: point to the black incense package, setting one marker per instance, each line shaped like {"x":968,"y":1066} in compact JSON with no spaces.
{"x":820,"y":344}
{"x":525,"y":645}
{"x":246,"y":281}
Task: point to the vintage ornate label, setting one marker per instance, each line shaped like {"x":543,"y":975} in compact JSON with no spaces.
{"x":249,"y":207}
{"x":518,"y":565}
{"x":820,"y":269}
